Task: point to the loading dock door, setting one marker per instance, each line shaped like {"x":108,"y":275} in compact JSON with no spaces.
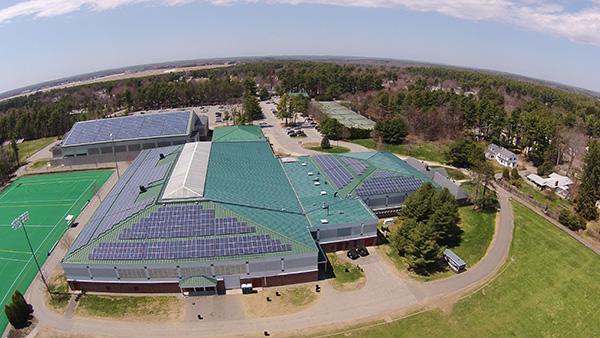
{"x":232,"y":282}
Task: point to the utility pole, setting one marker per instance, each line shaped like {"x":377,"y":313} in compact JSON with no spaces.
{"x":112,"y":138}
{"x":19,"y":222}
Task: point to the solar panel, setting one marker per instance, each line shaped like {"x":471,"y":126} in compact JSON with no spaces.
{"x":357,"y":165}
{"x":336,"y":171}
{"x":191,"y":248}
{"x":123,"y":200}
{"x":184,"y":221}
{"x":130,"y":127}
{"x":388,"y":185}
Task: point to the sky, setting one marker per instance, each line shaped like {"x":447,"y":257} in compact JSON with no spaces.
{"x":556,"y":40}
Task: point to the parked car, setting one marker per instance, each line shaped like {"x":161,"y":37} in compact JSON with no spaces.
{"x":363,"y":251}
{"x":352,"y":254}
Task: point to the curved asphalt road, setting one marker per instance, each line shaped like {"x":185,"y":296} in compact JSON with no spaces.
{"x":385,"y":294}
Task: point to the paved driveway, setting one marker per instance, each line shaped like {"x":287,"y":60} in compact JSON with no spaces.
{"x":282,"y":143}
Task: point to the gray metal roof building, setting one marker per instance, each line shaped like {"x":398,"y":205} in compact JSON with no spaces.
{"x":95,"y":141}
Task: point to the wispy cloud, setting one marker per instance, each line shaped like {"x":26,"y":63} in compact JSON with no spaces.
{"x":546,"y":16}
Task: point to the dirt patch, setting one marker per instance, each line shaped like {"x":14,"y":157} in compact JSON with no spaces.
{"x":349,"y":286}
{"x":290,"y":300}
{"x":46,"y":332}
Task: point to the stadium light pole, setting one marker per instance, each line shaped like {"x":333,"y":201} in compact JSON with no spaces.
{"x":112,"y":138}
{"x":19,"y":222}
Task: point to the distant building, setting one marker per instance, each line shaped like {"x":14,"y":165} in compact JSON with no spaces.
{"x":95,"y":141}
{"x":440,"y":177}
{"x":502,"y":155}
{"x":559,"y":183}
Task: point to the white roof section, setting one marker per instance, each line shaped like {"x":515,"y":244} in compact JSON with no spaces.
{"x":537,"y":179}
{"x":189,"y":174}
{"x":556,"y":180}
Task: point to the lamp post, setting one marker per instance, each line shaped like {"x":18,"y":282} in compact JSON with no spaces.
{"x":19,"y":222}
{"x":112,"y":138}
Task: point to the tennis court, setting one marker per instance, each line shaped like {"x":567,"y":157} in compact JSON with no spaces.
{"x":48,"y":199}
{"x":345,"y":116}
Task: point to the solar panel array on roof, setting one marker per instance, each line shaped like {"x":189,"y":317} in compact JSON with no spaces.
{"x":388,"y":185}
{"x":357,"y":165}
{"x":128,"y":128}
{"x":122,"y":201}
{"x":339,"y":175}
{"x":192,"y":248}
{"x":184,"y":221}
{"x":384,"y":173}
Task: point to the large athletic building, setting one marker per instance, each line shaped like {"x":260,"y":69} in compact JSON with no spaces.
{"x":209,"y":216}
{"x":98,"y":141}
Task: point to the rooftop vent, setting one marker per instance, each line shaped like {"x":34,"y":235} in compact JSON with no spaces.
{"x":162,"y":156}
{"x":142,"y":189}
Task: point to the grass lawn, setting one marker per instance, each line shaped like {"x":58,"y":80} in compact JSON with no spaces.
{"x":478,"y":230}
{"x":549,"y":288}
{"x":123,"y":306}
{"x":39,"y":164}
{"x":290,"y":300}
{"x":60,"y":298}
{"x":550,"y":199}
{"x":353,"y":275}
{"x":423,"y":151}
{"x":333,"y":150}
{"x":28,"y":148}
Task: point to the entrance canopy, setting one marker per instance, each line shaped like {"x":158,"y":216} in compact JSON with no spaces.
{"x":197,"y":282}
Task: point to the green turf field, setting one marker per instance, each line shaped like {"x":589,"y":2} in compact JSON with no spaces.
{"x":49,"y":199}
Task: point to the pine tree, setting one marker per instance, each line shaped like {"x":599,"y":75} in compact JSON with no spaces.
{"x":514,"y":173}
{"x":325,"y":144}
{"x":422,"y":249}
{"x":506,"y":174}
{"x":418,"y":205}
{"x":18,"y":311}
{"x":15,"y":149}
{"x":589,"y":189}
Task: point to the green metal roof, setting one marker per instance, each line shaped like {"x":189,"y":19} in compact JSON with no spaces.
{"x":388,"y":161}
{"x":343,"y":209}
{"x":197,"y":282}
{"x":244,"y":180}
{"x":247,"y":173}
{"x":238,"y":134}
{"x":344,"y":206}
